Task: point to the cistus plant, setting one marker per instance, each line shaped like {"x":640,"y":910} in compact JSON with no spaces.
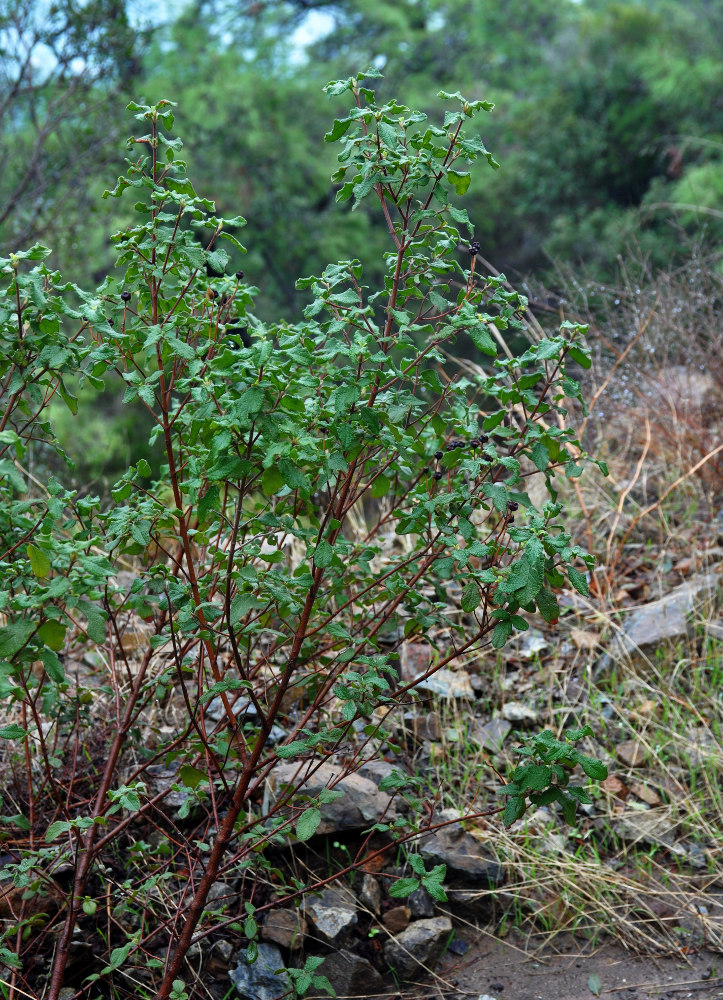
{"x":330,"y":489}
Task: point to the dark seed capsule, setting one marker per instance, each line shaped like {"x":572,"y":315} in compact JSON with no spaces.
{"x":449,"y":446}
{"x":474,"y":248}
{"x":211,"y":293}
{"x":511,"y":519}
{"x":513,"y":505}
{"x":483,"y":439}
{"x":438,"y":475}
{"x":239,"y":275}
{"x":111,"y":321}
{"x":438,"y":455}
{"x":126,"y":296}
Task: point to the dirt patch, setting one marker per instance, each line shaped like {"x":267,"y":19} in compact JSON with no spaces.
{"x":520,"y":968}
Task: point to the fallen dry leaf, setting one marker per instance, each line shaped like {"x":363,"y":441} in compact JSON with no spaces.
{"x":645,"y":793}
{"x":614,"y":786}
{"x":631,"y":753}
{"x":584,"y":639}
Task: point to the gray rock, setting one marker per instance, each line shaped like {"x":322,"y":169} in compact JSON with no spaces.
{"x":448,"y":684}
{"x":515,"y":711}
{"x":420,"y":904}
{"x":370,"y":893}
{"x":159,"y":779}
{"x":225,"y":949}
{"x":242,"y":706}
{"x":360,"y":805}
{"x":530,"y":643}
{"x":492,"y":734}
{"x":333,"y":915}
{"x":261,"y":981}
{"x":420,"y":946}
{"x":351,"y":975}
{"x":666,"y":618}
{"x":463,"y":856}
{"x":285,"y":927}
{"x":416,"y":658}
{"x":424,"y":726}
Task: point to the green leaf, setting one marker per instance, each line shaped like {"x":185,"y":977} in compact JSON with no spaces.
{"x":501,"y":633}
{"x":471,"y":597}
{"x":293,"y":749}
{"x":578,"y":580}
{"x":241,"y":605}
{"x":208,"y":502}
{"x":593,"y":768}
{"x":39,"y":562}
{"x":323,"y":555}
{"x":403,"y":887}
{"x":95,"y":622}
{"x":498,"y":494}
{"x":55,"y":830}
{"x":271,"y":481}
{"x":460,"y":180}
{"x":547,"y":606}
{"x":339,"y":128}
{"x":52,"y":633}
{"x":514,"y":809}
{"x":53,"y":666}
{"x":308,"y":823}
{"x":130,"y":801}
{"x":388,"y":135}
{"x":540,"y":455}
{"x":191,"y":776}
{"x":482,"y":339}
{"x":568,"y":808}
{"x":14,"y":636}
{"x":593,"y":984}
{"x":292,"y":476}
{"x":581,"y":356}
{"x":12,"y":732}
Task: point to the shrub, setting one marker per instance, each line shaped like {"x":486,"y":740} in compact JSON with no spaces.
{"x":331,"y":489}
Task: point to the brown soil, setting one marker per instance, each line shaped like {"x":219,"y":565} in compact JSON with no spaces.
{"x":521,"y":969}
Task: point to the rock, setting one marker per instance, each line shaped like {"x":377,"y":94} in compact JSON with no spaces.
{"x":161,"y":778}
{"x":260,"y":980}
{"x":285,"y":927}
{"x":420,"y":945}
{"x":649,"y":826}
{"x":420,"y":904}
{"x":225,"y":949}
{"x":370,"y":894}
{"x":219,"y":896}
{"x":448,"y":684}
{"x":492,"y":734}
{"x":666,"y":618}
{"x":530,"y":643}
{"x":515,"y":711}
{"x":333,"y":915}
{"x":360,"y":805}
{"x":426,"y":726}
{"x":462,"y":855}
{"x":631,"y":753}
{"x":351,"y":975}
{"x":416,"y":659}
{"x":243,"y":706}
{"x":645,"y":792}
{"x":397,"y":919}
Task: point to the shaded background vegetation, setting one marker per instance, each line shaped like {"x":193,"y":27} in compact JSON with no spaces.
{"x":608,"y":125}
